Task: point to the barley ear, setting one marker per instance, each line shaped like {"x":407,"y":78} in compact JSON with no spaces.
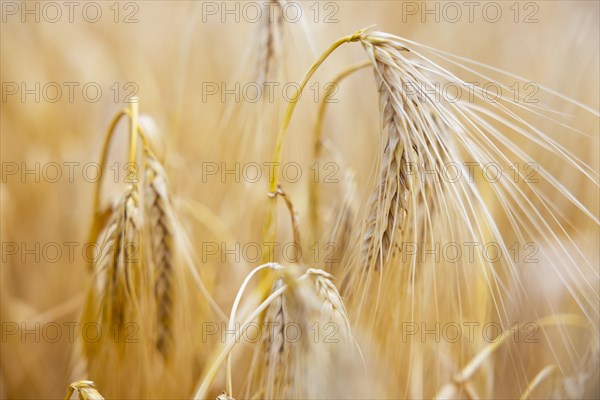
{"x":163,"y":251}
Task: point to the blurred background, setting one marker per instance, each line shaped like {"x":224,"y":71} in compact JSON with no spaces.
{"x":66,"y":72}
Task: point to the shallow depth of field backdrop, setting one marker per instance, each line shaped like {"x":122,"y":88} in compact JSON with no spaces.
{"x":197,"y":68}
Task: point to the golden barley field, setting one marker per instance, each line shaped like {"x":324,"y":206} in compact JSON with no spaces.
{"x":288,"y":199}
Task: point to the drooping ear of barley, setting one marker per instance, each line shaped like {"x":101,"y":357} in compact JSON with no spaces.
{"x":138,"y":298}
{"x":416,"y":147}
{"x":416,"y":213}
{"x":167,"y":255}
{"x":163,"y":252}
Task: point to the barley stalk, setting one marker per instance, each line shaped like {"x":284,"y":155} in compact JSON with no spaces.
{"x":269,"y":229}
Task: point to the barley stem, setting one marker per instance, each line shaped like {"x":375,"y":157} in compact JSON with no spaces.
{"x":100,"y":216}
{"x":269,"y":231}
{"x":274,"y":178}
{"x":313,"y":187}
{"x":104,"y":155}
